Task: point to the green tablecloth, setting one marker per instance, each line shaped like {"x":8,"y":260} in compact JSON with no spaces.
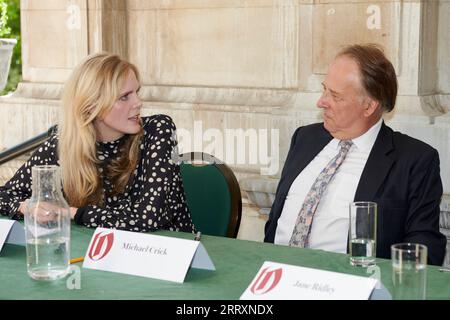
{"x":236,"y":261}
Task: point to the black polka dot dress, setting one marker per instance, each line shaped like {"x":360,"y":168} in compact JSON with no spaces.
{"x":153,"y":199}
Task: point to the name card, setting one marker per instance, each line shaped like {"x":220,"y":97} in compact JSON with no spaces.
{"x":276,"y":281}
{"x":12,"y":232}
{"x":145,"y":255}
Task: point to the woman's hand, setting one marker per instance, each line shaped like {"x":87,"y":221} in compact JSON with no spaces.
{"x":22,"y":207}
{"x":73,"y":212}
{"x":43,"y":211}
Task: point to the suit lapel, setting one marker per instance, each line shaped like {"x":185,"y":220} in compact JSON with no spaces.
{"x":306,"y":152}
{"x":380,"y":161}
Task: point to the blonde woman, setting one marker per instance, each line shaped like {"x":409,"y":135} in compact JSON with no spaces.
{"x":116,"y":167}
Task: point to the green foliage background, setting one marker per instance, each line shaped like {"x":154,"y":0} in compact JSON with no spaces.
{"x":10,"y":28}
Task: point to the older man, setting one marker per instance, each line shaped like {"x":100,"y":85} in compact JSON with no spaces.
{"x":354,"y":156}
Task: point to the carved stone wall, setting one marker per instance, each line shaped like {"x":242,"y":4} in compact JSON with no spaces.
{"x":229,"y":64}
{"x":253,"y":65}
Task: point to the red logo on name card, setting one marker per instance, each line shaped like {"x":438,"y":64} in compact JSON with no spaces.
{"x":101,"y":245}
{"x":266,"y":281}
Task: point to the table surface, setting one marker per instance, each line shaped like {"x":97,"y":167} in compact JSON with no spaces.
{"x":236,"y":261}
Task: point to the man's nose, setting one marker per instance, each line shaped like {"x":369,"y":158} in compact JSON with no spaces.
{"x":321,"y":103}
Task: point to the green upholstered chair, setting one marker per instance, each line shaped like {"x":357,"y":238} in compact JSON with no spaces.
{"x":213,"y":194}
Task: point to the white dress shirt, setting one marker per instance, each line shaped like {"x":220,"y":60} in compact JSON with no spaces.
{"x":329,"y":229}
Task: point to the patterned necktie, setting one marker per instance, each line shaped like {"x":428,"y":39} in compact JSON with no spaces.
{"x":302,"y":228}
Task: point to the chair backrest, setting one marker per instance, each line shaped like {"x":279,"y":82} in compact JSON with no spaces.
{"x":213,"y":194}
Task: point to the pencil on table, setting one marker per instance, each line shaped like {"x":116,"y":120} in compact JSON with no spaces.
{"x":72,"y":261}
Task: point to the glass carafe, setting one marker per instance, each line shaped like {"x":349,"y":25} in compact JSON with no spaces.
{"x":47,"y":226}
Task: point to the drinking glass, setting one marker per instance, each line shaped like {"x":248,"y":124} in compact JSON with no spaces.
{"x":409,"y":271}
{"x":362,"y":233}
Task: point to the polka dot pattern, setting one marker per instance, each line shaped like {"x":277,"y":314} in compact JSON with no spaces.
{"x":153,"y":199}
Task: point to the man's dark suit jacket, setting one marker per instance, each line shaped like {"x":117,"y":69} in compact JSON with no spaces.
{"x":401,"y":175}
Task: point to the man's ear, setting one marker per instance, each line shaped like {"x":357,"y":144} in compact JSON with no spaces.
{"x":371,"y":106}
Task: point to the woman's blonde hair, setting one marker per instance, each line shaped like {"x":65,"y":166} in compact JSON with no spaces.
{"x":90,"y":92}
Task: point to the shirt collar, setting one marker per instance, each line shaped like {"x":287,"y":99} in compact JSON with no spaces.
{"x":365,"y":141}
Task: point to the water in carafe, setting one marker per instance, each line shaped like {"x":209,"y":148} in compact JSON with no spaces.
{"x":47,"y":226}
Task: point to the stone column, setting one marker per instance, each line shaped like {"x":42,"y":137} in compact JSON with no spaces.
{"x":108,"y":26}
{"x":57,"y":35}
{"x":54,"y":39}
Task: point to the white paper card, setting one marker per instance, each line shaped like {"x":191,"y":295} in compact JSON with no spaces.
{"x":145,"y":255}
{"x":11,"y":231}
{"x":276,"y":281}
